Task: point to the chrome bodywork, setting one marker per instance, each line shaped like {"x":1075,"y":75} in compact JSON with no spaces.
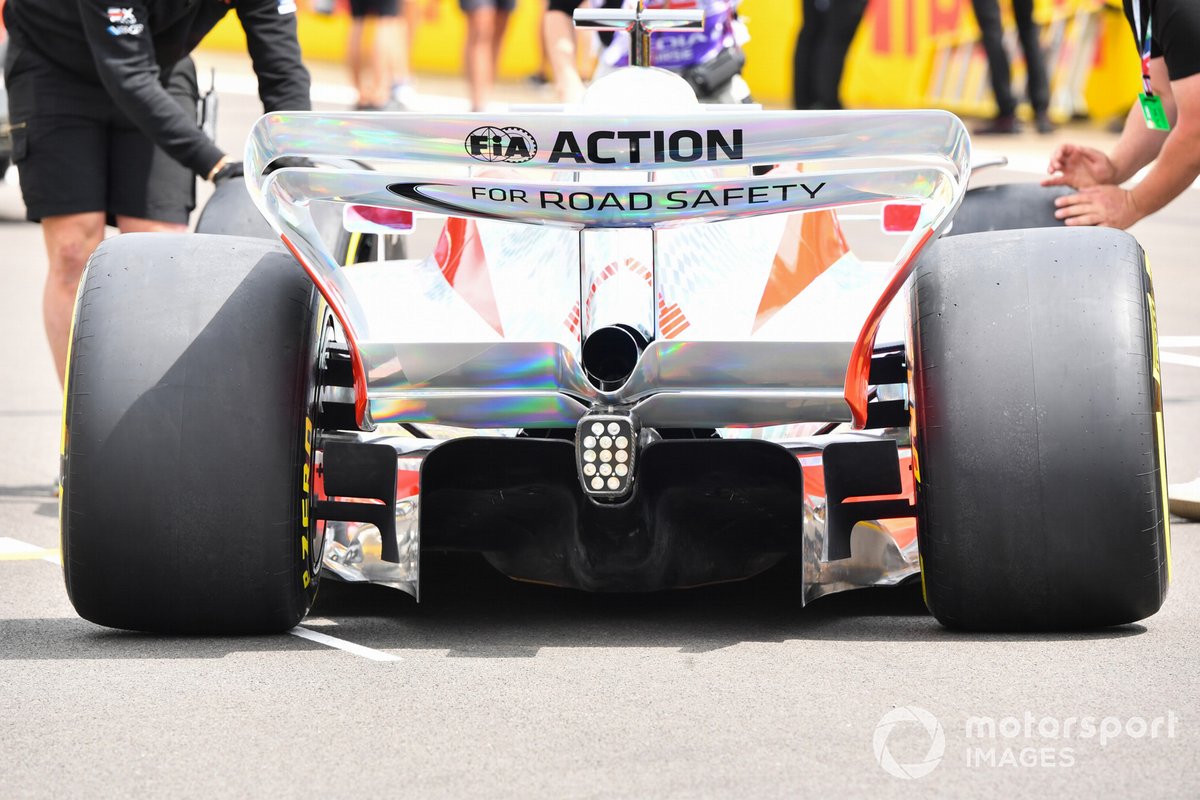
{"x":353,"y":550}
{"x":560,"y":250}
{"x":587,"y":219}
{"x":673,"y":385}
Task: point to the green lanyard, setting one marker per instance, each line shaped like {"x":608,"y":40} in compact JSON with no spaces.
{"x":1152,"y":105}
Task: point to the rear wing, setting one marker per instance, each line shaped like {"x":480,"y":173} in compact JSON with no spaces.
{"x":589,"y":171}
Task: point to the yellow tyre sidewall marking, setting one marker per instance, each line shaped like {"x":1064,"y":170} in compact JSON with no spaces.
{"x":1160,"y":434}
{"x":64,"y":435}
{"x":305,"y":577}
{"x":352,"y":248}
{"x":924,"y":591}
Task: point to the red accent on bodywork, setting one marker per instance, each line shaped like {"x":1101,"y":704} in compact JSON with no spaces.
{"x":356,"y":363}
{"x":859,"y":370}
{"x":811,"y":244}
{"x":901,"y":217}
{"x":398,"y":218}
{"x":408,"y":483}
{"x":903,"y":530}
{"x":459,"y":254}
{"x":610,"y":270}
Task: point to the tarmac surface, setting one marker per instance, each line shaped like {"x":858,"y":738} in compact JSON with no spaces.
{"x":497,"y":688}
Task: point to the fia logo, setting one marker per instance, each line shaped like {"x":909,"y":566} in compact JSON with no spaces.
{"x":501,"y":145}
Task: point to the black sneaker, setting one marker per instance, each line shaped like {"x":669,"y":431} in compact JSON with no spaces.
{"x":1003,"y":125}
{"x":1043,"y":124}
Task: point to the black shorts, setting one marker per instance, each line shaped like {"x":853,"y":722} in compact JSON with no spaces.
{"x":505,"y":6}
{"x":77,"y":153}
{"x":374,"y":8}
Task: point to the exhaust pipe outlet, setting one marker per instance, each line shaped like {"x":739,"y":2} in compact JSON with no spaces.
{"x":610,"y":355}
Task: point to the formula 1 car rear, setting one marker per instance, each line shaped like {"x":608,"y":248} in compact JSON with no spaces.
{"x":643,"y":351}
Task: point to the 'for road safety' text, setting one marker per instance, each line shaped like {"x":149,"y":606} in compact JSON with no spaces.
{"x":672,"y":200}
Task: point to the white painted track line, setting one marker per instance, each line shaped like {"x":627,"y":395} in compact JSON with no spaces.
{"x":1179,"y":341}
{"x":1180,"y":359}
{"x":16,"y":550}
{"x":342,"y":644}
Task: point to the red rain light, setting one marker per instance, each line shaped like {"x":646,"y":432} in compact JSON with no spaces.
{"x":901,"y":217}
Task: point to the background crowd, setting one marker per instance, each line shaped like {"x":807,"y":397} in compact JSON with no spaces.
{"x":381,"y":71}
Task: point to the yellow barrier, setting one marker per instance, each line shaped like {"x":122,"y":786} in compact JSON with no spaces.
{"x":437,"y":47}
{"x":891,"y":63}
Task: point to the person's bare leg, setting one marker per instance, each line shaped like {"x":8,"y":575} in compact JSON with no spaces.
{"x":412,"y":21}
{"x":70,"y":239}
{"x":481,"y":26}
{"x":387,"y":42}
{"x":401,"y":70}
{"x":139,"y":225}
{"x":498,"y":31}
{"x":354,"y":57}
{"x":558,"y":42}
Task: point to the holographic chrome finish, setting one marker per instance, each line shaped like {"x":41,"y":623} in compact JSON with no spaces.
{"x":602,"y":205}
{"x":480,"y":410}
{"x":436,"y":352}
{"x":616,"y":280}
{"x":875,"y":560}
{"x":533,"y":385}
{"x":769,"y":137}
{"x":876,"y":556}
{"x":353,"y":551}
{"x":739,"y":408}
{"x":536,"y":410}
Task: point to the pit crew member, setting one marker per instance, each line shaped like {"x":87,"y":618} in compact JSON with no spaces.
{"x":1163,"y":125}
{"x":98,"y":136}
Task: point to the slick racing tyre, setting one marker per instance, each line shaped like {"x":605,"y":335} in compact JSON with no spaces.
{"x":1037,"y":431}
{"x":1009,"y":206}
{"x":187,"y":437}
{"x":231,"y":212}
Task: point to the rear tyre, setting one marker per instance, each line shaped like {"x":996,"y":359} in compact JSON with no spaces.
{"x":1037,"y":431}
{"x":231,"y":212}
{"x":1009,"y":206}
{"x":186,"y":467}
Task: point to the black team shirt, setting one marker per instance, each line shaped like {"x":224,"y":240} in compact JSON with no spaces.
{"x":1174,"y":33}
{"x":127,"y":47}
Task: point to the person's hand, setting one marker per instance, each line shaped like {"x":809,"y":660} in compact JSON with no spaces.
{"x":227,"y":171}
{"x":1080,"y":167}
{"x":1110,"y":206}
